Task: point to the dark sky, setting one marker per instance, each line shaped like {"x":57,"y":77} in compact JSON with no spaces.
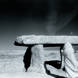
{"x":47,"y":17}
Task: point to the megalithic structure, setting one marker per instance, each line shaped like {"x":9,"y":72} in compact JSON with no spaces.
{"x":32,"y":41}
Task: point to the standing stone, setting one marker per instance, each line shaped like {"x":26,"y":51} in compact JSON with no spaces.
{"x":71,"y":64}
{"x":37,"y":62}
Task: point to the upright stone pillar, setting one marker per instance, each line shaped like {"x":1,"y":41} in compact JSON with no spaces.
{"x":37,"y":59}
{"x":71,"y":63}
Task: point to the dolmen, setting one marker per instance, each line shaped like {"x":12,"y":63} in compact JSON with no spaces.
{"x":36,"y":44}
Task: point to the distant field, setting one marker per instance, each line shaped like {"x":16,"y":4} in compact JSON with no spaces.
{"x":11,"y":60}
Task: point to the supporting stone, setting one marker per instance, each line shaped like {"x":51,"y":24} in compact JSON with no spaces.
{"x":71,"y":63}
{"x":37,"y":59}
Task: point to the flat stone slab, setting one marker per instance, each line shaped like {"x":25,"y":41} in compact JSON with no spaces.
{"x":44,"y":39}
